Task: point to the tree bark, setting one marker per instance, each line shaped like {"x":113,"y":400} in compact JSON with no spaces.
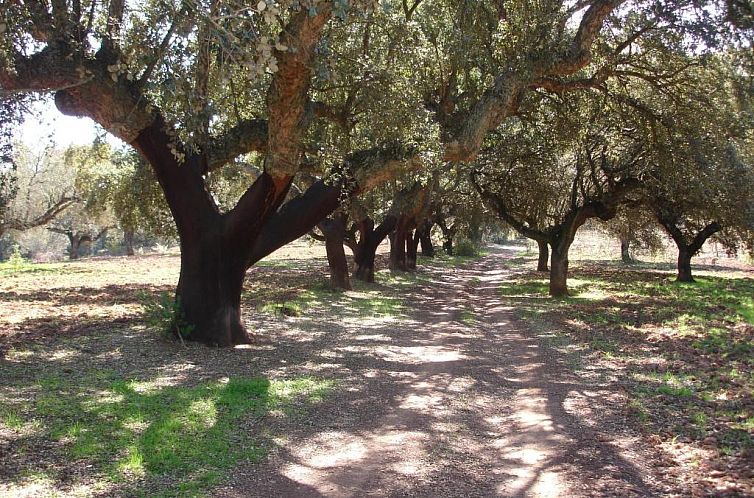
{"x":544,"y":255}
{"x":398,"y":240}
{"x":412,"y":245}
{"x":369,"y":239}
{"x":684,"y":265}
{"x":670,"y":220}
{"x":447,"y":244}
{"x":208,"y":296}
{"x":128,"y":241}
{"x":365,"y":263}
{"x":559,"y":272}
{"x":75,"y":246}
{"x":625,"y":250}
{"x":425,"y":239}
{"x":334,"y":229}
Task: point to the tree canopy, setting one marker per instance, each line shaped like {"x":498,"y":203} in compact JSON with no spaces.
{"x":356,"y":93}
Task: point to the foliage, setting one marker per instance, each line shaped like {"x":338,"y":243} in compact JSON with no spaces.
{"x":135,"y":198}
{"x":164,"y":314}
{"x":465,"y":248}
{"x":42,"y":187}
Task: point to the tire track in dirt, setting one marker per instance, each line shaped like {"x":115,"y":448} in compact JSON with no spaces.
{"x":461,"y":399}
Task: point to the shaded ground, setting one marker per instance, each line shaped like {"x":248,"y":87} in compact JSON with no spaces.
{"x":455,"y":398}
{"x":429,"y":384}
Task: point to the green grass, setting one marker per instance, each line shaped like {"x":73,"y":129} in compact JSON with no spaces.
{"x":14,"y":267}
{"x":701,"y":331}
{"x":467,"y":317}
{"x":11,"y":418}
{"x":132,"y":431}
{"x":365,"y":301}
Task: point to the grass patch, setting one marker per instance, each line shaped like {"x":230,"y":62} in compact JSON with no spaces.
{"x":133,"y":431}
{"x":14,"y":267}
{"x":467,"y":317}
{"x":700,"y":335}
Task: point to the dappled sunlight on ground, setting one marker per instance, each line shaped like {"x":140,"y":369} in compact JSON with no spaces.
{"x":455,"y":399}
{"x":425,"y":384}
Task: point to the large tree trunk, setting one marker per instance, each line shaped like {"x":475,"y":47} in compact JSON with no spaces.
{"x":208,"y":297}
{"x":684,"y":265}
{"x":80,"y":245}
{"x":334,"y":230}
{"x":625,"y":250}
{"x":75,"y":246}
{"x":364,"y":262}
{"x":544,"y":255}
{"x":559,"y":272}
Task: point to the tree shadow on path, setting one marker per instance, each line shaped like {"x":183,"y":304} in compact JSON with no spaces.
{"x":457,"y":398}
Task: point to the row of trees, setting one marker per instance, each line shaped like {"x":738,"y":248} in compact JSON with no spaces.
{"x":84,"y":193}
{"x":323,"y":101}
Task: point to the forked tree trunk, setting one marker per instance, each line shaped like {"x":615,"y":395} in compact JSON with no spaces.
{"x":625,"y":250}
{"x":559,"y":272}
{"x":686,"y":250}
{"x":544,"y":255}
{"x":369,"y":240}
{"x":425,"y":239}
{"x":78,"y":243}
{"x":684,"y":265}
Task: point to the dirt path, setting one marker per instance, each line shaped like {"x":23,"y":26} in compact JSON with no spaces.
{"x":457,"y":399}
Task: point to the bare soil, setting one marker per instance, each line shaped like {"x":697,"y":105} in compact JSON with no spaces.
{"x":457,"y":398}
{"x":450,"y":395}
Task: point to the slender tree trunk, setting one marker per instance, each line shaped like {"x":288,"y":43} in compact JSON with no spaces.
{"x":544,"y":255}
{"x":684,"y":265}
{"x":447,"y":244}
{"x":128,"y":240}
{"x":75,"y":246}
{"x":334,"y":230}
{"x":412,"y":242}
{"x":625,"y":250}
{"x":559,"y":271}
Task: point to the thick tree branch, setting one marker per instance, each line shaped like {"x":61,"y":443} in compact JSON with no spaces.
{"x":579,"y":53}
{"x":363,"y":171}
{"x":50,"y":214}
{"x":247,"y":136}
{"x":701,"y":237}
{"x":288,"y":94}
